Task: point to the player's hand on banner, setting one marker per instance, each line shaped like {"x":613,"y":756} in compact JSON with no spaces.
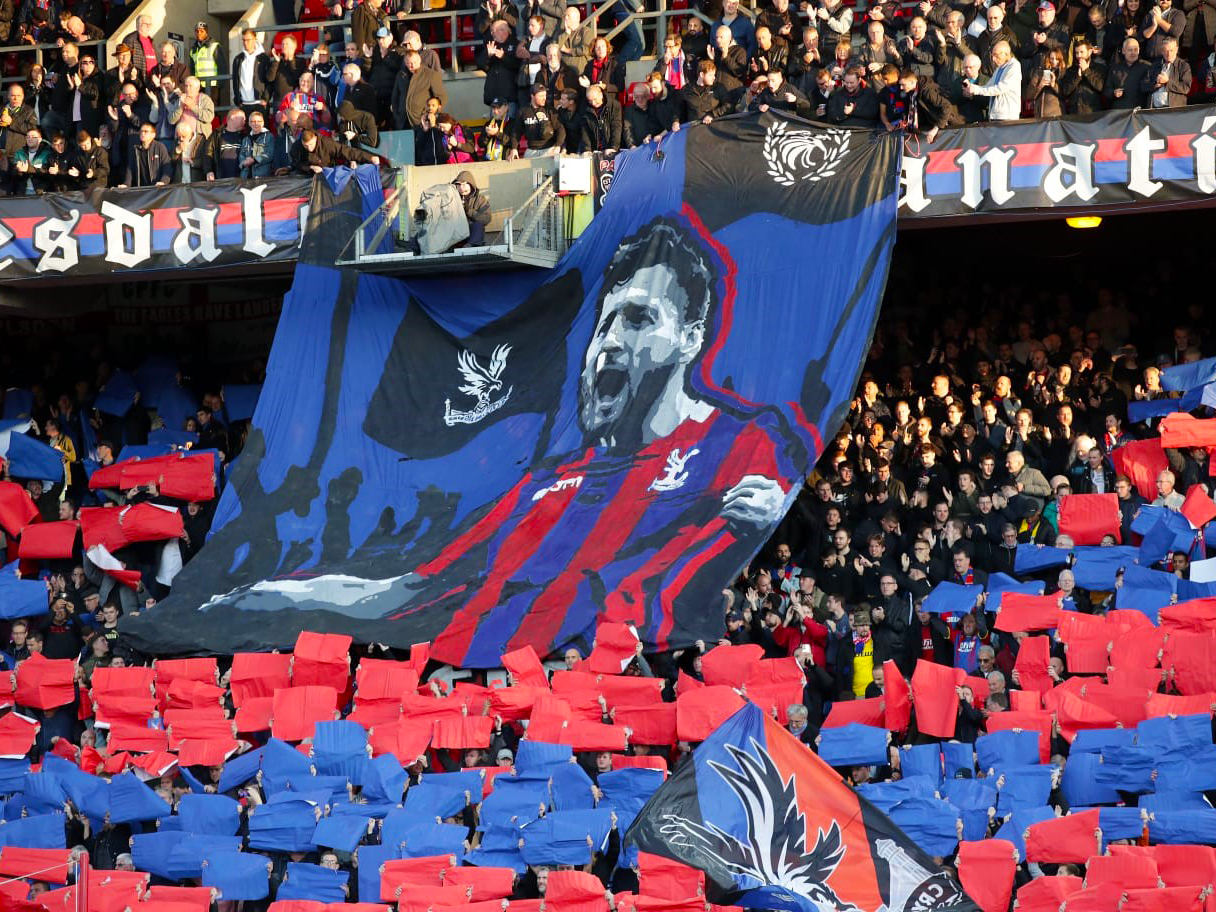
{"x":755,"y":500}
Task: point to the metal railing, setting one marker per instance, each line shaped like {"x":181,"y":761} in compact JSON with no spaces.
{"x":39,"y":52}
{"x":538,"y":226}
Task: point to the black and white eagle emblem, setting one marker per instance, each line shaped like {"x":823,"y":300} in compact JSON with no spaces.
{"x":794,"y":155}
{"x":774,"y":853}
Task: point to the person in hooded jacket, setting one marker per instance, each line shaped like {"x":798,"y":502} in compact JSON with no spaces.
{"x":356,"y":127}
{"x":476,"y":208}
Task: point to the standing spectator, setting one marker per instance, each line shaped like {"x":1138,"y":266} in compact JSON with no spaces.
{"x":489,"y":10}
{"x":573,"y":41}
{"x":731,"y":60}
{"x":1049,"y":34}
{"x":1162,"y":22}
{"x":705,"y":99}
{"x":555,"y":75}
{"x":383,"y":65}
{"x":284,"y":70}
{"x":878,"y":51}
{"x":741,"y":28}
{"x":601,"y":125}
{"x":540,"y":130}
{"x":326,"y":75}
{"x":124,"y":70}
{"x":167,"y":64}
{"x":355,"y":90}
{"x":357,"y":128}
{"x":551,"y":12}
{"x":250,"y":75}
{"x":1200,"y":31}
{"x":805,"y":61}
{"x":88,"y":164}
{"x":768,"y":56}
{"x":313,"y":153}
{"x":856,"y":105}
{"x":89,"y":96}
{"x":531,"y":53}
{"x":149,"y":163}
{"x":63,"y":92}
{"x":16,"y":120}
{"x":834,"y":16}
{"x":207,"y":59}
{"x":257,"y":154}
{"x":1126,"y":78}
{"x":988,"y":39}
{"x":412,"y":41}
{"x":193,"y":108}
{"x":133,"y":110}
{"x":366,"y":20}
{"x":30,"y":163}
{"x":920,"y":50}
{"x":224,"y":154}
{"x":1169,"y":81}
{"x":678,"y":69}
{"x":498,"y":138}
{"x":1044,"y":89}
{"x":1081,"y":85}
{"x":190,"y":163}
{"x":497,"y":57}
{"x":603,"y":69}
{"x":414,"y":86}
{"x":1004,"y":88}
{"x":143,"y":48}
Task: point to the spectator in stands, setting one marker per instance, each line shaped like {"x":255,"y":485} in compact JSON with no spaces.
{"x":283,"y":73}
{"x":601,"y":124}
{"x":30,"y":163}
{"x":569,"y":112}
{"x":88,"y":164}
{"x":355,"y":90}
{"x":168,"y":65}
{"x":1126,"y":79}
{"x":1166,"y":495}
{"x":357,"y":128}
{"x":805,"y":61}
{"x":38,"y":93}
{"x":731,"y":61}
{"x":573,"y":40}
{"x":498,"y":139}
{"x":1082,"y":83}
{"x":1044,"y":90}
{"x":541,"y":132}
{"x":1048,"y":34}
{"x":677,"y":68}
{"x":489,"y":10}
{"x":251,"y":75}
{"x":501,"y":63}
{"x":555,"y":75}
{"x":603,"y":69}
{"x":326,"y":75}
{"x":123,"y":71}
{"x":367,"y":19}
{"x":767,"y":56}
{"x":291,"y":127}
{"x":16,"y":120}
{"x":149,"y":163}
{"x":551,"y":12}
{"x":412,"y":41}
{"x":224,"y":154}
{"x":877,"y":51}
{"x":856,"y":105}
{"x":705,"y":99}
{"x":476,"y":207}
{"x":415,"y":85}
{"x":207,"y":59}
{"x":987,"y":41}
{"x":384,"y":66}
{"x":192,"y":108}
{"x":313,"y":153}
{"x":1004,"y":88}
{"x":1170,"y":78}
{"x":1162,"y":22}
{"x":133,"y":110}
{"x":531,"y":54}
{"x":6,"y":20}
{"x":257,"y":156}
{"x":143,"y":48}
{"x":772,"y":91}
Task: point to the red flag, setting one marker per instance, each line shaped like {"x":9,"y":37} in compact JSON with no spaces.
{"x":1198,"y":507}
{"x":1086,"y":518}
{"x":254,"y":715}
{"x":898,"y":709}
{"x":45,"y":683}
{"x":1136,"y":648}
{"x":653,"y":725}
{"x":863,"y":712}
{"x":50,"y":865}
{"x":1101,"y":898}
{"x":576,"y":891}
{"x":257,"y":674}
{"x":460,"y":732}
{"x":615,"y":647}
{"x":1163,"y":899}
{"x":1072,"y":838}
{"x":979,"y":688}
{"x":1159,"y":705}
{"x":645,"y":761}
{"x":297,"y":710}
{"x":668,"y":879}
{"x":1075,"y":714}
{"x":1144,"y":680}
{"x":1034,"y":655}
{"x":1195,"y":615}
{"x":1021,"y":612}
{"x":1130,"y":872}
{"x":935,"y":699}
{"x":731,"y":665}
{"x":198,"y":897}
{"x":525,"y":668}
{"x":384,"y":679}
{"x":622,"y":690}
{"x":1025,"y":700}
{"x":1141,"y":461}
{"x":1193,"y":658}
{"x":1186,"y":865}
{"x":47,"y":541}
{"x":986,"y":869}
{"x":699,"y":712}
{"x":1077,"y":626}
{"x":16,"y":507}
{"x":1182,"y":430}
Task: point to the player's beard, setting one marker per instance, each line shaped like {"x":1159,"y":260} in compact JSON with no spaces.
{"x":616,"y":405}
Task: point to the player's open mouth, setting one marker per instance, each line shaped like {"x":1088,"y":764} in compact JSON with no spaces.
{"x":610,"y":381}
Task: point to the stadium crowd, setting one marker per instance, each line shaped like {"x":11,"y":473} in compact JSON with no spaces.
{"x":982,"y":610}
{"x":551,"y":85}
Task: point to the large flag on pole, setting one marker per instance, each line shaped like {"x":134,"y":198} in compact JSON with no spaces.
{"x":773,"y":827}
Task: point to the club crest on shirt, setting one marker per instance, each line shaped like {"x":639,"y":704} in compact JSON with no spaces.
{"x":674,"y":475}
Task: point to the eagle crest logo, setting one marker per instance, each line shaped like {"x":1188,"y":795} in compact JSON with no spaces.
{"x":774,"y":852}
{"x":480,"y":382}
{"x":794,"y":155}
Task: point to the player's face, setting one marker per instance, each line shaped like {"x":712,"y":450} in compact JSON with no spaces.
{"x":639,"y":340}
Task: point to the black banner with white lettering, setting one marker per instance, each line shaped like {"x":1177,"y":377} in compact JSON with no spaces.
{"x":149,"y":229}
{"x":1114,"y":158}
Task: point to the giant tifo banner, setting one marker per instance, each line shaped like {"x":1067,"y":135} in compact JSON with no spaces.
{"x":1114,"y":158}
{"x":148,"y":229}
{"x":492,"y":461}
